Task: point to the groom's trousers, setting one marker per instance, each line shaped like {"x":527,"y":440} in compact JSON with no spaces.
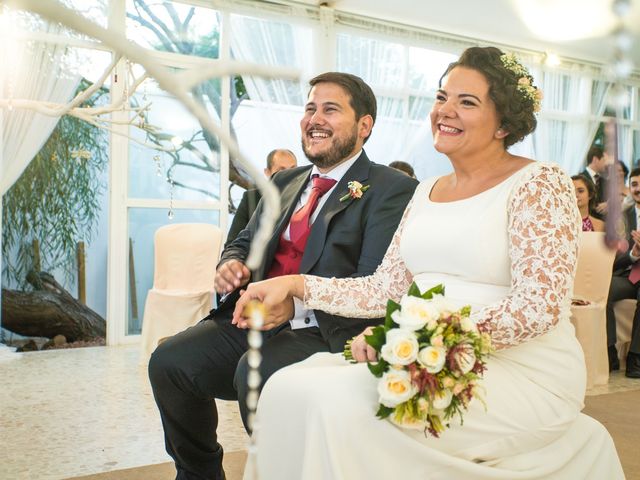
{"x":208,"y":361}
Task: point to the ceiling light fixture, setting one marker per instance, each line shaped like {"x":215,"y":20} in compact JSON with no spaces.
{"x":551,"y":60}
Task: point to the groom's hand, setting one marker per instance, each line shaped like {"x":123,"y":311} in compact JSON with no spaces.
{"x":231,"y":275}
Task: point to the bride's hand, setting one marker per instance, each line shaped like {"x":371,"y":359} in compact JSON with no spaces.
{"x":276,"y":295}
{"x":361,"y":350}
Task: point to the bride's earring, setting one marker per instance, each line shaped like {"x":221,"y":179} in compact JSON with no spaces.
{"x":501,"y":133}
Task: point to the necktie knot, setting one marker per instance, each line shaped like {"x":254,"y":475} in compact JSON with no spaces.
{"x":323,"y":185}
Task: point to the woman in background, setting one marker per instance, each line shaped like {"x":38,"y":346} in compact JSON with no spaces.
{"x":586,"y":200}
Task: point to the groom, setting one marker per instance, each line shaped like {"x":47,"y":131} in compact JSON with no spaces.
{"x":321,"y":230}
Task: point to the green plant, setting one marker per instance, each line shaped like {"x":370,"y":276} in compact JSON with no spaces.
{"x":56,"y":199}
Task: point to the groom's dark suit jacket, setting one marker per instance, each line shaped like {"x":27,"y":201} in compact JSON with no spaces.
{"x":348,"y":239}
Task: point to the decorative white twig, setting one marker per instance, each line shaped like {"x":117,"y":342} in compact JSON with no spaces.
{"x":177,"y":84}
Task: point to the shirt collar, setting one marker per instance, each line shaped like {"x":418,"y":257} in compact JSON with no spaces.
{"x":592,"y":172}
{"x":338,"y":172}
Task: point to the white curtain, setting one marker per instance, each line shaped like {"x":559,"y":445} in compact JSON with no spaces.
{"x":274,"y":43}
{"x":572,"y":104}
{"x":404,"y":80}
{"x":29,"y":70}
{"x":626,"y":131}
{"x":270,"y":119}
{"x":34,"y":71}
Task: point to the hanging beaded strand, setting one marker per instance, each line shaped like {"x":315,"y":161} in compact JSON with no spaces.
{"x":156,"y":159}
{"x":619,"y":100}
{"x":256,"y":313}
{"x":622,"y":65}
{"x":171,"y":183}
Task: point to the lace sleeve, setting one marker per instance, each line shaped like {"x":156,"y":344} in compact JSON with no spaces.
{"x":544,"y":226}
{"x":362,"y":297}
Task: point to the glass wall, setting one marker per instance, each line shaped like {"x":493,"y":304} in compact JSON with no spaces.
{"x":174,"y":166}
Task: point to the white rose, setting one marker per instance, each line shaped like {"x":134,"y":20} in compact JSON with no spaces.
{"x":442,"y":399}
{"x":415,"y":313}
{"x":400,"y":348}
{"x":395,"y":387}
{"x":468,"y":325}
{"x":444,"y":306}
{"x":464,"y":358}
{"x":432,"y":358}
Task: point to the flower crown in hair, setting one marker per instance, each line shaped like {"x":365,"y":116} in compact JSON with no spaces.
{"x":525,"y":81}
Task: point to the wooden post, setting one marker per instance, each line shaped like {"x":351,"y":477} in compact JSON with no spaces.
{"x":132,"y":283}
{"x":82,"y":292}
{"x":36,"y":255}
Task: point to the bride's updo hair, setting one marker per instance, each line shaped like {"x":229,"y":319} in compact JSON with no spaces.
{"x":510,"y":87}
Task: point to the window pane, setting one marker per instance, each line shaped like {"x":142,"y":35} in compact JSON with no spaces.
{"x":174,"y":27}
{"x":426,"y":67}
{"x":268,"y":42}
{"x":192,"y":162}
{"x":94,"y":10}
{"x":419,"y":108}
{"x":635,"y":156}
{"x":143,"y":223}
{"x":377,"y":62}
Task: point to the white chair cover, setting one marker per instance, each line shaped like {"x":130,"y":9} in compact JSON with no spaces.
{"x":185,"y":261}
{"x":593,"y":277}
{"x":624,"y":311}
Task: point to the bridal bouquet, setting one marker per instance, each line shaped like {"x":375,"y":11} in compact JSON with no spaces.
{"x":430,"y":358}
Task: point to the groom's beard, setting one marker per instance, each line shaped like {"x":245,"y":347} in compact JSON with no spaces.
{"x":339,"y":151}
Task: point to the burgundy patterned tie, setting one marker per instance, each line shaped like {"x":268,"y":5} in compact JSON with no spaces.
{"x":299,"y":226}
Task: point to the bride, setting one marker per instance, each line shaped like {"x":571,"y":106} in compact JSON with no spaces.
{"x":501,"y":233}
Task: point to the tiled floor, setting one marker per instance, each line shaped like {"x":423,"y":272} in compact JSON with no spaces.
{"x":66,"y":413}
{"x":617,"y":383}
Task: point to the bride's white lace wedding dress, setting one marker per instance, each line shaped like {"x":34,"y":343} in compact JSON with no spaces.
{"x":510,"y":252}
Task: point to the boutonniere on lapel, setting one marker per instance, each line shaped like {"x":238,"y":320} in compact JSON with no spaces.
{"x":356,"y":189}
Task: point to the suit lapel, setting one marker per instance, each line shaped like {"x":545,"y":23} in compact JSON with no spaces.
{"x":359,"y":171}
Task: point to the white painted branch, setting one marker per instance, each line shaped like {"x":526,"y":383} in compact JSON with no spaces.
{"x":88,"y":92}
{"x":179,"y":87}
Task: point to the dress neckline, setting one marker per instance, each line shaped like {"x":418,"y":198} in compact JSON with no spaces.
{"x":499,"y":184}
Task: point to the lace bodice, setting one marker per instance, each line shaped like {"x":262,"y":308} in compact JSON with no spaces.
{"x":520,"y":237}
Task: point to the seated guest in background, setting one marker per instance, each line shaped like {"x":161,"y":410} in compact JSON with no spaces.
{"x":625,"y":283}
{"x":403,"y":167}
{"x":347,"y":234}
{"x":585,"y":198}
{"x":277,"y":160}
{"x":596,"y":172}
